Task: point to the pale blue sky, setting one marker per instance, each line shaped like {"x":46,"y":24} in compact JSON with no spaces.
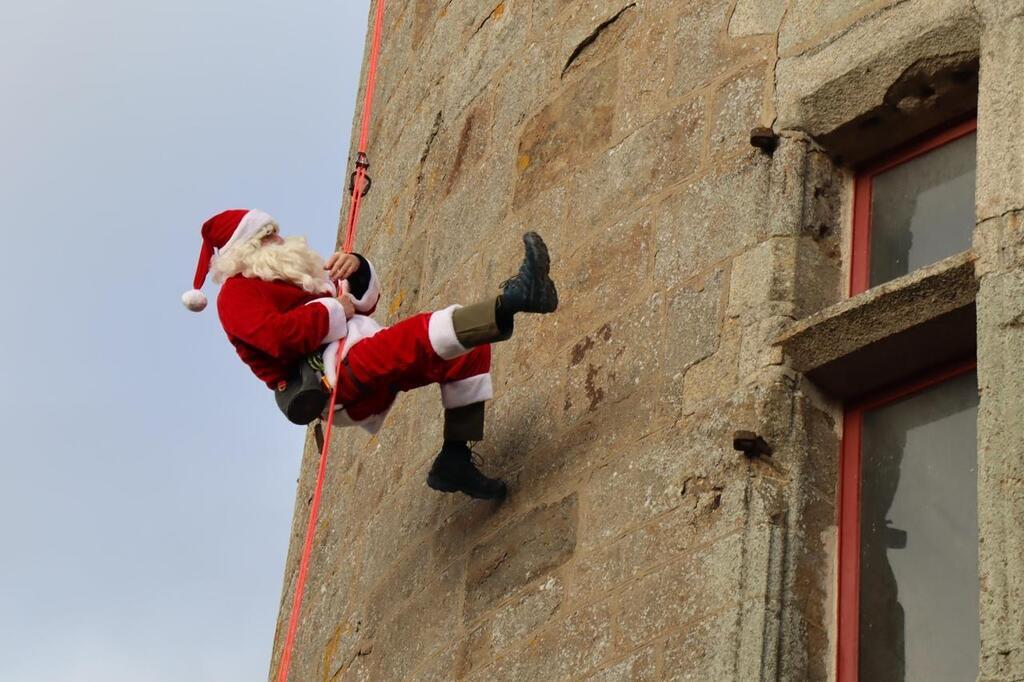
{"x":148,"y":480}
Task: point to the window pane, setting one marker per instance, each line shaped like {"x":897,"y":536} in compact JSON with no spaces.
{"x":919,"y":537}
{"x":922,"y":210}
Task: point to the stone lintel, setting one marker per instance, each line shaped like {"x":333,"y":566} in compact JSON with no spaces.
{"x":890,"y":332}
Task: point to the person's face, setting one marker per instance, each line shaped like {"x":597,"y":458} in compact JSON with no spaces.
{"x":272,"y":238}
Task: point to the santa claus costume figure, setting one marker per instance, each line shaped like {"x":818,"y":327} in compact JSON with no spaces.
{"x":288,"y":319}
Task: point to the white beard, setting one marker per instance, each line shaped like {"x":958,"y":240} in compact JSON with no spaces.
{"x":293,"y":261}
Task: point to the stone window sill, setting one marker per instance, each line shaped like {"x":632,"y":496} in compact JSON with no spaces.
{"x":889,"y":333}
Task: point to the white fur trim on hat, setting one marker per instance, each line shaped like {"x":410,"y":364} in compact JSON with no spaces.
{"x":442,"y":335}
{"x":251,"y":223}
{"x":194,"y":300}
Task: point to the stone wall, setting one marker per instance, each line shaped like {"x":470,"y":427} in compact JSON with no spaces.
{"x":636,"y":543}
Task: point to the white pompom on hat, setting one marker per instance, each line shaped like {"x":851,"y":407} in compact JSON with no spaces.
{"x":220,"y":233}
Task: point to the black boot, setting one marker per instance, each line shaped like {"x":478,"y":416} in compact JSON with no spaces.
{"x":454,"y":471}
{"x":531,"y":289}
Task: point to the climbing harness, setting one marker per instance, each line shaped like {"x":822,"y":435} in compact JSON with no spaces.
{"x":360,"y":185}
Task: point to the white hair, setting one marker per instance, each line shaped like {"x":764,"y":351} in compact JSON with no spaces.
{"x":292,"y":261}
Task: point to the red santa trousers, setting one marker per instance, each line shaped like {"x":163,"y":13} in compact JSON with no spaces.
{"x":415,"y":352}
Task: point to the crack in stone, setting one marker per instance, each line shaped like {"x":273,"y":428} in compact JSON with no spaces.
{"x":493,"y":14}
{"x":594,"y":35}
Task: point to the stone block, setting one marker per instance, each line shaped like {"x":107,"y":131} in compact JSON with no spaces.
{"x":752,"y":17}
{"x":637,"y":667}
{"x":710,"y":218}
{"x":738,"y":108}
{"x":567,"y":133}
{"x":590,"y":32}
{"x":615,"y":367}
{"x":710,"y":508}
{"x":524,"y":83}
{"x":648,"y":71}
{"x":811,"y":22}
{"x":692,"y":324}
{"x":658,"y":155}
{"x":700,"y":585}
{"x":537,"y":543}
{"x":704,"y":651}
{"x":524,"y":417}
{"x":578,"y":642}
{"x":999,"y":244}
{"x":1000,"y":179}
{"x":713,"y":378}
{"x":501,"y":31}
{"x":705,"y":49}
{"x":404,"y":643}
{"x":639,"y":482}
{"x":605,"y":273}
{"x":527,"y":614}
{"x":855,"y":76}
{"x":440,"y":668}
{"x":1000,"y":471}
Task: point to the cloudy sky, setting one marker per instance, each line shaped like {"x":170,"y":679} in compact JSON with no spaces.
{"x":148,"y":480}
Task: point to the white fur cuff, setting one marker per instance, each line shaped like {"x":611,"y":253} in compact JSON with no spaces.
{"x":372,"y":295}
{"x":337,"y":326}
{"x":466,"y":391}
{"x":442,"y":334}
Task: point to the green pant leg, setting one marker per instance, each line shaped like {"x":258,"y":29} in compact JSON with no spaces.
{"x":477,"y":324}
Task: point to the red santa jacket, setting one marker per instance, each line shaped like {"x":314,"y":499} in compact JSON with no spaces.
{"x":274,"y":325}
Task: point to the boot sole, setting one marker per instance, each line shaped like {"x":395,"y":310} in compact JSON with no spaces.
{"x":440,"y":485}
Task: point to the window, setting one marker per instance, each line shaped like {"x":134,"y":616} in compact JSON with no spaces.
{"x":908,"y":551}
{"x":914,"y":207}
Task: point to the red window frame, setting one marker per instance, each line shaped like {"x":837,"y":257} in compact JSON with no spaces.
{"x":860,"y":253}
{"x":847,"y":646}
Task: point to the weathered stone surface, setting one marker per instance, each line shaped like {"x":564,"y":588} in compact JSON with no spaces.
{"x":638,"y":667}
{"x":737,"y":109}
{"x":691,"y":329}
{"x":646,"y":613}
{"x":569,"y":131}
{"x":709,"y":219}
{"x":591,"y":30}
{"x":539,"y":542}
{"x":1001,"y":470}
{"x":707,"y":511}
{"x":705,"y":651}
{"x":605,"y":273}
{"x":809,"y":21}
{"x":578,"y":642}
{"x":706,"y":51}
{"x":751,"y":17}
{"x":999,"y":244}
{"x":524,"y":616}
{"x":850,"y":78}
{"x":650,"y":70}
{"x":498,"y":30}
{"x":1000,"y":180}
{"x":881,"y":312}
{"x":663,"y":152}
{"x":616,"y":364}
{"x":636,"y":543}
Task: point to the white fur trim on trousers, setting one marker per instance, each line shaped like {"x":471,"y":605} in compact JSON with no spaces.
{"x":466,"y":391}
{"x":441,"y":331}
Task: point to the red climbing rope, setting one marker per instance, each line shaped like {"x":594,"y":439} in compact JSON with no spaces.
{"x":360,"y":184}
{"x":359,"y":180}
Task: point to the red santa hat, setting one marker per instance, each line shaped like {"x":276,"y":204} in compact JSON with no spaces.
{"x":222,"y":232}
